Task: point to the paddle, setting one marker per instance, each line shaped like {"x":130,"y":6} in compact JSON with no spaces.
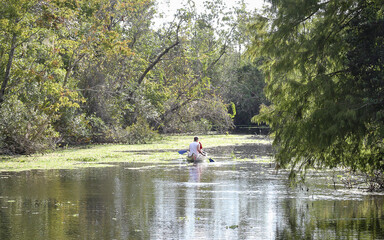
{"x":182,"y":151}
{"x":205,"y":154}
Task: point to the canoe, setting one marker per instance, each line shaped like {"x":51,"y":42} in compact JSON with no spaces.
{"x":200,"y":158}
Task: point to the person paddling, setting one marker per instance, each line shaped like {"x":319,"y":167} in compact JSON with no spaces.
{"x":194,"y":149}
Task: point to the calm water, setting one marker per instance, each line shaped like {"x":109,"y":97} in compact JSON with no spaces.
{"x":221,"y":200}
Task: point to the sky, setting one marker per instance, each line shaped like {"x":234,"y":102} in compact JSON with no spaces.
{"x":172,"y":5}
{"x":169,"y":7}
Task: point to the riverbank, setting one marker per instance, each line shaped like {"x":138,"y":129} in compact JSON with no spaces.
{"x":102,"y":155}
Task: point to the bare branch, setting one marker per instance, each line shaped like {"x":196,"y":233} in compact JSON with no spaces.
{"x":159,"y":57}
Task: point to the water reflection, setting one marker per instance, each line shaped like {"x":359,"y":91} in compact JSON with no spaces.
{"x":195,"y":172}
{"x":224,"y":200}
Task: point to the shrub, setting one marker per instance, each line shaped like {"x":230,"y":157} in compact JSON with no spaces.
{"x":73,"y":128}
{"x":202,"y":126}
{"x":140,"y":132}
{"x":24,"y":130}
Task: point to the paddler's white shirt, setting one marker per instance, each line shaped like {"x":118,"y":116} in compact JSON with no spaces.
{"x":193,"y":148}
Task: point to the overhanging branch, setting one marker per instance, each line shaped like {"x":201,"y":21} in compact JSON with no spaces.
{"x":153,"y":64}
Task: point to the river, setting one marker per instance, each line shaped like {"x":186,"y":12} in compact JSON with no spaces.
{"x":227,"y":199}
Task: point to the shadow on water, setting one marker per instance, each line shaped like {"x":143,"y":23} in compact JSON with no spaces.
{"x":221,"y":200}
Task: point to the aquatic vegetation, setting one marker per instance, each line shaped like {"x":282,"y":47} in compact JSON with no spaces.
{"x":232,"y":227}
{"x":164,"y":150}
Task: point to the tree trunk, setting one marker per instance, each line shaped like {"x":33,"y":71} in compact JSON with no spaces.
{"x":8,"y":69}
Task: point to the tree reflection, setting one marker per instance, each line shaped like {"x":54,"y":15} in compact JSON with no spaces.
{"x":227,"y":201}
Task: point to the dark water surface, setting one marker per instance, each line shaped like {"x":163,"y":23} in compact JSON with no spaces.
{"x":221,"y":200}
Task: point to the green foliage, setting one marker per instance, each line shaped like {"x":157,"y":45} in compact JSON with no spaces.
{"x":74,"y":128}
{"x":244,"y":87}
{"x":232,"y":110}
{"x":97,"y":71}
{"x":24,"y":131}
{"x":324,"y":71}
{"x":140,"y":132}
{"x":201,"y":126}
{"x":200,"y":116}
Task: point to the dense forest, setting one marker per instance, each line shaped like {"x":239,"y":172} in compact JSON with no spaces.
{"x":101,"y":71}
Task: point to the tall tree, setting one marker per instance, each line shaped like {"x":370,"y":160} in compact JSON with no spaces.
{"x":192,"y":75}
{"x":241,"y":79}
{"x":30,"y":69}
{"x":324,"y":72}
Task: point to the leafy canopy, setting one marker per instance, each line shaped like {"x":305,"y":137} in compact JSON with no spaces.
{"x":324,"y":77}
